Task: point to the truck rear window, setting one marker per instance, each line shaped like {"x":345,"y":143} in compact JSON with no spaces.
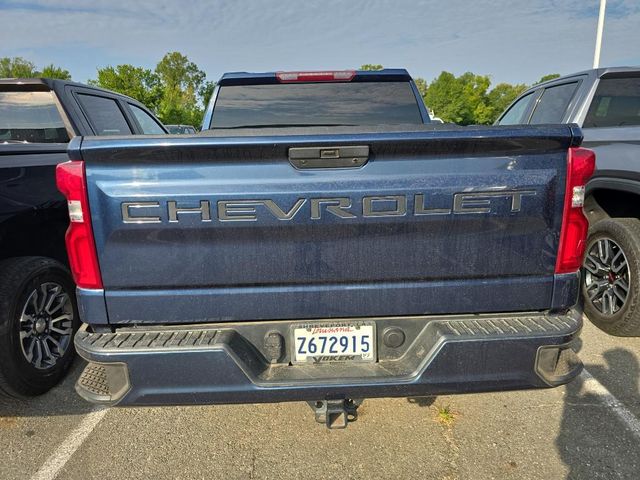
{"x":615,"y":104}
{"x":313,"y":104}
{"x":30,"y":117}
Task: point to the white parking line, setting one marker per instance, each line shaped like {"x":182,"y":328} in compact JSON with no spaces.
{"x":594,"y":387}
{"x":50,"y":469}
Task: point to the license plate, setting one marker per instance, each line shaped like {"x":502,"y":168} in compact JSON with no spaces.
{"x":336,"y":342}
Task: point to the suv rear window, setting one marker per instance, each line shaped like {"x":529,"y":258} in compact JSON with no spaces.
{"x":147,"y":123}
{"x":516,"y":113}
{"x":616,"y":103}
{"x":104,"y":114}
{"x":553,"y":103}
{"x":30,"y":117}
{"x":181,"y":129}
{"x":302,"y":104}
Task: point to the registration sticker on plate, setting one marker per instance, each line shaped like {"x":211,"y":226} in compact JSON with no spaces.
{"x":336,"y":342}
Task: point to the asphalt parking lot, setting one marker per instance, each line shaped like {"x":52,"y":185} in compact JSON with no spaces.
{"x":588,"y":429}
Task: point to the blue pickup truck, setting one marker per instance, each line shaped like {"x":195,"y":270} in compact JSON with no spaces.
{"x":321,"y":241}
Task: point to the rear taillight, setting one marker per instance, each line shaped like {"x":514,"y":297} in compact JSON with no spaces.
{"x":81,"y":247}
{"x":573,"y":234}
{"x":331,"y":76}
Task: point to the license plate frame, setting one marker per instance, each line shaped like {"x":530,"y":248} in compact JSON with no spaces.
{"x":332,"y":351}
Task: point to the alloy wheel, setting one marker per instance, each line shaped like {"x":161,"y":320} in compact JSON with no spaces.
{"x":606,"y":276}
{"x":46,"y":325}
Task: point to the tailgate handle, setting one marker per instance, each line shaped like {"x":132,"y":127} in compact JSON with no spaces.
{"x":352,"y":156}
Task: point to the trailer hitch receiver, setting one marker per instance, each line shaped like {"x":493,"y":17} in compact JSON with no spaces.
{"x":336,"y":413}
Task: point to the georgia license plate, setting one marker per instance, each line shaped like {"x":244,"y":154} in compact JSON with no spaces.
{"x":336,"y":342}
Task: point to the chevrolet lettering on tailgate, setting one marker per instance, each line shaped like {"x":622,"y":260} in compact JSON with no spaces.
{"x":341,"y":207}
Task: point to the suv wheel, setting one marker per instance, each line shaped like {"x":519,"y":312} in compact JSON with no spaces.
{"x":610,"y":283}
{"x":38,"y":318}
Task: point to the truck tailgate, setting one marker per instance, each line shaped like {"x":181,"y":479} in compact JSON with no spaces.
{"x":430,"y":222}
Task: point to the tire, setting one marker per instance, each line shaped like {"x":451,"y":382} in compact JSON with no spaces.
{"x":611,"y":267}
{"x":30,"y":361}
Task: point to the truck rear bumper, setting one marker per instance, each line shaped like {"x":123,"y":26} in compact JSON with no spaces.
{"x":241,"y":363}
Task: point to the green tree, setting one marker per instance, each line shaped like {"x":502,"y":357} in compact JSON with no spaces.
{"x":206,"y":91}
{"x":441,"y":96}
{"x":136,"y":82}
{"x":545,"y":78}
{"x":501,"y":96}
{"x":468,"y":99}
{"x":177,"y":90}
{"x":474,"y":88}
{"x":181,"y":82}
{"x":17,"y":67}
{"x":51,"y":71}
{"x":461,"y":100}
{"x":371,"y":67}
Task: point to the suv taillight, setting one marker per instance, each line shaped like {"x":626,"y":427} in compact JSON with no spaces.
{"x":573,"y":234}
{"x":81,"y":247}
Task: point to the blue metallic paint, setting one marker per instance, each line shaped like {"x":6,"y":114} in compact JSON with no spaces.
{"x":328,"y":267}
{"x":353,"y":299}
{"x":229,"y":367}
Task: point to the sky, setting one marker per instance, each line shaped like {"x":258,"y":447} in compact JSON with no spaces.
{"x":515,"y":41}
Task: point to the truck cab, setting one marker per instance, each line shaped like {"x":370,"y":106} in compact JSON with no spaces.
{"x":298,"y":99}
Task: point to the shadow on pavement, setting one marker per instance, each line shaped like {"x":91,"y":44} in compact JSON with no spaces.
{"x":61,"y":400}
{"x":594,"y":441}
{"x":422,"y":401}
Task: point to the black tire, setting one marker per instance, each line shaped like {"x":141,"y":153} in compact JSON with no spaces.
{"x":19,"y":277}
{"x":625,"y":233}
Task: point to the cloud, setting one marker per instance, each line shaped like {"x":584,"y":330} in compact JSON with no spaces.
{"x":515,"y":40}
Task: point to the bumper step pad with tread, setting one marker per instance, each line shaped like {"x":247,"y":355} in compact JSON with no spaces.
{"x":227,"y":363}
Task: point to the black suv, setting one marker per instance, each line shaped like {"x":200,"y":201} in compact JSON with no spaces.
{"x":606,"y":104}
{"x":38,"y":311}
